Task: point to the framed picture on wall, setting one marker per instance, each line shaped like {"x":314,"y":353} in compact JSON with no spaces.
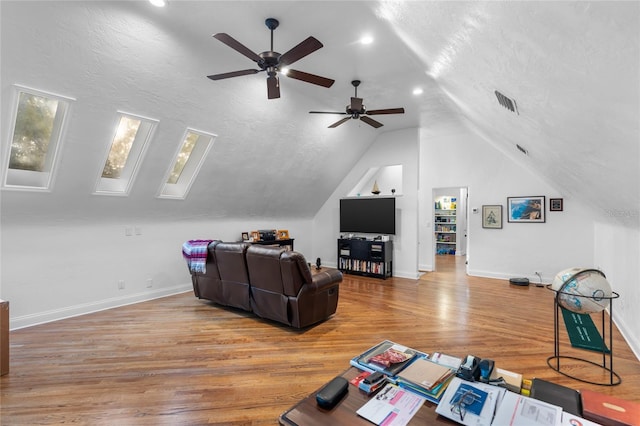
{"x":526,"y":209}
{"x":245,"y":236}
{"x":555,"y":204}
{"x":492,"y":216}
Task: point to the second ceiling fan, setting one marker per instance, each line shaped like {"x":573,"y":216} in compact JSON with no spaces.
{"x":357,"y":110}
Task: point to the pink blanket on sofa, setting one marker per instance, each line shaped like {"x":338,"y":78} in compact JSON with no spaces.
{"x":195,"y":253}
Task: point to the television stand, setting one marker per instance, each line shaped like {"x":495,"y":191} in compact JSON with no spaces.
{"x":365,"y":257}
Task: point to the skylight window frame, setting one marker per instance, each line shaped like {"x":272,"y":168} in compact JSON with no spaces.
{"x":180,"y":190}
{"x":37,"y":181}
{"x":122,"y":186}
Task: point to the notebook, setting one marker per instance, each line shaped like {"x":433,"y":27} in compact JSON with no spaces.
{"x":562,"y":396}
{"x":609,"y":410}
{"x":425,"y":373}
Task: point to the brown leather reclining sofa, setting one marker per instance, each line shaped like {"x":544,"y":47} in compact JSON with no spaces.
{"x":271,"y":282}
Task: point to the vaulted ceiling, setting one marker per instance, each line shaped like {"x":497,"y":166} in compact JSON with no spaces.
{"x":573,"y":69}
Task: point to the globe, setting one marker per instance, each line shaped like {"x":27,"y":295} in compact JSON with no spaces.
{"x":582,"y":290}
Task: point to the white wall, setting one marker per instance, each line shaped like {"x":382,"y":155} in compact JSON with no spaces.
{"x":392,"y":148}
{"x":55,"y":271}
{"x":577,"y":236}
{"x":518,"y":249}
{"x":617,"y":254}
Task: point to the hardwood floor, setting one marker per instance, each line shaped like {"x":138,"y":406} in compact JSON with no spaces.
{"x":182,"y":361}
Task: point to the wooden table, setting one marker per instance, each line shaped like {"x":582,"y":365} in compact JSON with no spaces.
{"x":307,"y":412}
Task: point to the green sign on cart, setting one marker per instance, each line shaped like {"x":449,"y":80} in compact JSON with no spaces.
{"x":583,"y":332}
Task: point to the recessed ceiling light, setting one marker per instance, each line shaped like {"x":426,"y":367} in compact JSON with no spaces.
{"x":158,"y":3}
{"x":417,"y":91}
{"x":366,"y":39}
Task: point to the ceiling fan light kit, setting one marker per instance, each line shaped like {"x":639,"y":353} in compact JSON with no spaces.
{"x":271,"y":61}
{"x":357,"y":110}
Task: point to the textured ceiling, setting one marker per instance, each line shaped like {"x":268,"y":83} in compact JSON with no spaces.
{"x":572,"y":67}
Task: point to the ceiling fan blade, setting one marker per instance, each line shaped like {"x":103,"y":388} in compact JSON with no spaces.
{"x":273,"y":87}
{"x":327,"y":112}
{"x":356,"y":104}
{"x":232,"y":74}
{"x":371,"y":121}
{"x":386,"y":111}
{"x":337,"y":123}
{"x":310,"y":78}
{"x":310,"y":45}
{"x":237,"y":46}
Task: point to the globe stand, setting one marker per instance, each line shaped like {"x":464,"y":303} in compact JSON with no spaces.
{"x":614,"y":378}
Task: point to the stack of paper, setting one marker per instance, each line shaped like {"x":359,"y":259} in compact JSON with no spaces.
{"x":426,"y":378}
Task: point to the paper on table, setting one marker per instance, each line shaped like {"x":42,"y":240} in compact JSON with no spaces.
{"x":520,"y":410}
{"x":569,"y":419}
{"x":392,"y":406}
{"x":448,"y":360}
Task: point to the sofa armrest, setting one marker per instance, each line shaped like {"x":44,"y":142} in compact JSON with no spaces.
{"x":326,"y":279}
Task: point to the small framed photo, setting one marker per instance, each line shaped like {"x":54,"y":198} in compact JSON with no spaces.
{"x":283,"y":234}
{"x":492,"y":216}
{"x":245,"y":236}
{"x":555,"y":204}
{"x":526,"y":209}
{"x":255,"y":236}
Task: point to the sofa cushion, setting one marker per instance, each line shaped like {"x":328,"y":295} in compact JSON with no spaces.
{"x":268,"y":299}
{"x":295,"y":272}
{"x":263,"y":263}
{"x":234,"y":276}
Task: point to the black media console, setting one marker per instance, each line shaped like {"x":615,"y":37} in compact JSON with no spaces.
{"x":365,"y":257}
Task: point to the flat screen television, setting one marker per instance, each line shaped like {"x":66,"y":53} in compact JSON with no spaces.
{"x":368,"y":215}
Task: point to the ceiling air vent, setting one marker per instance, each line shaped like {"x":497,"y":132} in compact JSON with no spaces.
{"x":506,"y":102}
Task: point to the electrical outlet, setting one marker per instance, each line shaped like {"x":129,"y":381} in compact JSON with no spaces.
{"x":149,"y":282}
{"x":120,"y":284}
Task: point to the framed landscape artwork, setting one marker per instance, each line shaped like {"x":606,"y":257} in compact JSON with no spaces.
{"x":526,"y":209}
{"x":492,"y":216}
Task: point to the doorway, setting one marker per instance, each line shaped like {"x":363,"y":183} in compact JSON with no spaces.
{"x":450,"y":219}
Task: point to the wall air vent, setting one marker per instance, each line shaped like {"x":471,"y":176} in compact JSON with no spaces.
{"x":506,"y":102}
{"x":522,"y":150}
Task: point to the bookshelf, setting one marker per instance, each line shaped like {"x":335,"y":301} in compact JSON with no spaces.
{"x":446,"y":231}
{"x":365,"y":257}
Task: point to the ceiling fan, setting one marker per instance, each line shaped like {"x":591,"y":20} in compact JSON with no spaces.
{"x":272,"y":62}
{"x":357,"y":110}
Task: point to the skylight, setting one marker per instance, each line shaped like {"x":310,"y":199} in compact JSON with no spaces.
{"x":38,"y":124}
{"x":125,"y":154}
{"x":186,"y":164}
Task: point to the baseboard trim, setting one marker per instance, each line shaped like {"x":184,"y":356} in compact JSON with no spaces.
{"x":24,"y":321}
